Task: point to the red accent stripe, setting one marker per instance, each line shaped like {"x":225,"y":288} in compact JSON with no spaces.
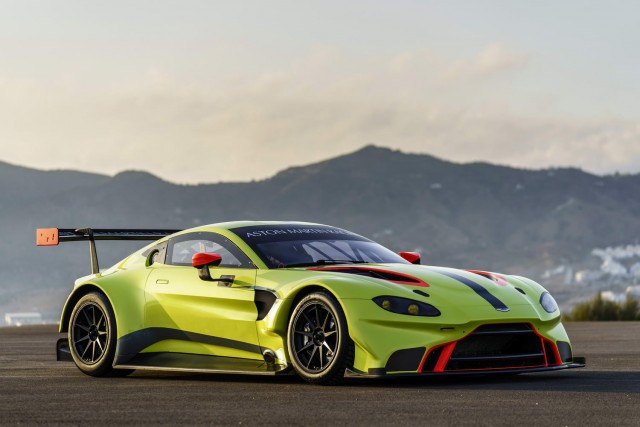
{"x":556,"y":353}
{"x":444,"y":357}
{"x":544,"y":350}
{"x":413,"y":281}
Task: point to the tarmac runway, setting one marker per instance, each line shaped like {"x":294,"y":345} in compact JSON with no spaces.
{"x":34,"y":388}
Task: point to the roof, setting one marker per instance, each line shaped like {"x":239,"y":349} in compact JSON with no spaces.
{"x":235,"y":224}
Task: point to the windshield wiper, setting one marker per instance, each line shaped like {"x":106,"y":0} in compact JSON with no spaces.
{"x":325,"y":262}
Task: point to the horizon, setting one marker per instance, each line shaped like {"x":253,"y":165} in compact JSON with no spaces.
{"x":293,"y":166}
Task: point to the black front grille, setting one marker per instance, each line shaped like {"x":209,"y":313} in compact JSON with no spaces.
{"x":498,"y":346}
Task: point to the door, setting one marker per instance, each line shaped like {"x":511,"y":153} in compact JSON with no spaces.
{"x":186,"y":314}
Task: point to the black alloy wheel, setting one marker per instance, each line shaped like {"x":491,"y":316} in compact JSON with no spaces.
{"x":92,"y":336}
{"x":319,"y":343}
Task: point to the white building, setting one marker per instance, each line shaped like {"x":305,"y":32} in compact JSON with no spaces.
{"x":633,"y":292}
{"x":19,"y":319}
{"x":617,"y":297}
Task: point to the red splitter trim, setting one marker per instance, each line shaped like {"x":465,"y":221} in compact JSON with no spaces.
{"x":444,"y":357}
{"x":448,"y":348}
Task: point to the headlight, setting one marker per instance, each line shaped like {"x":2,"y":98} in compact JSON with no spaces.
{"x":548,"y":303}
{"x":406,"y":306}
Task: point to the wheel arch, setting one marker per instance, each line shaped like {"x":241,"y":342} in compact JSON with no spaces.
{"x":305,"y":290}
{"x":73,"y":299}
{"x":279,"y":321}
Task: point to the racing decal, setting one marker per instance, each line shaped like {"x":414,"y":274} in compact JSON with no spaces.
{"x":287,"y":232}
{"x":477,"y":288}
{"x":133,"y":343}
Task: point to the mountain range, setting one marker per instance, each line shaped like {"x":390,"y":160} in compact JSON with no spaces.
{"x":475,"y":215}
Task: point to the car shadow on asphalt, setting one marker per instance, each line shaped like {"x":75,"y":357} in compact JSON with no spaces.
{"x":580,"y":381}
{"x":575,"y":381}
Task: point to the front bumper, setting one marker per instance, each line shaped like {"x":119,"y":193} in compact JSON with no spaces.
{"x":396,"y":344}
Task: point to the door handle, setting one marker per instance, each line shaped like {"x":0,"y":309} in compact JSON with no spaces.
{"x":162,"y":282}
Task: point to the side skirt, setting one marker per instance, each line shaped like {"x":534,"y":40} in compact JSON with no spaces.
{"x":181,"y":362}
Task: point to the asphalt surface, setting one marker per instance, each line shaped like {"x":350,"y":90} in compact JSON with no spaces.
{"x":34,"y":388}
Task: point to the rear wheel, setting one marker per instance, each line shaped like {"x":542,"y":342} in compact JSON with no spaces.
{"x":92,"y":336}
{"x":319,"y":345}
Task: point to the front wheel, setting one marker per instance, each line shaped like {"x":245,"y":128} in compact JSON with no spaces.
{"x":318,"y":337}
{"x":92,"y":336}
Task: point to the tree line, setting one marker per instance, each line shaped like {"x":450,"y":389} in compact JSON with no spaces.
{"x":599,"y":309}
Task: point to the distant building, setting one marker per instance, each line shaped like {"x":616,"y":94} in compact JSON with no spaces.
{"x":633,"y":292}
{"x":588,"y":276}
{"x":617,"y":297}
{"x":19,"y":319}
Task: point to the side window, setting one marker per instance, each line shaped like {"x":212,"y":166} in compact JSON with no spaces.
{"x":182,"y":248}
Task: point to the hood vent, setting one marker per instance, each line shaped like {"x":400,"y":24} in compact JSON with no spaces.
{"x":376,"y":273}
{"x":491,"y":276}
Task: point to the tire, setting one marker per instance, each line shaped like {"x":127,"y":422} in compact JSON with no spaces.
{"x":92,"y":336}
{"x":320,"y":349}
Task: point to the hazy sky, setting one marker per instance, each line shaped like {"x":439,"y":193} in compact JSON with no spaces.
{"x":204,"y":91}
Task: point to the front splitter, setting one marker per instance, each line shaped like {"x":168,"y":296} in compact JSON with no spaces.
{"x":381,"y":373}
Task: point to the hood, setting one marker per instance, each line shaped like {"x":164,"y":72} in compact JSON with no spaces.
{"x":442,"y":286}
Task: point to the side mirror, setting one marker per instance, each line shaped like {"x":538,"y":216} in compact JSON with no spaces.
{"x":412,"y":257}
{"x":202,"y":261}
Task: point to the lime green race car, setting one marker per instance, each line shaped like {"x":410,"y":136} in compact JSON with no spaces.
{"x":273,"y":298}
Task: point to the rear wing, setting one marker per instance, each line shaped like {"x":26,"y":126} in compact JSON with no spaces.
{"x":55,"y":236}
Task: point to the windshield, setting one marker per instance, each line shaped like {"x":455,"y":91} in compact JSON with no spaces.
{"x":282,"y":246}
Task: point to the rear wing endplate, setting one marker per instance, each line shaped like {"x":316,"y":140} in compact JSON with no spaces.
{"x":55,"y":236}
